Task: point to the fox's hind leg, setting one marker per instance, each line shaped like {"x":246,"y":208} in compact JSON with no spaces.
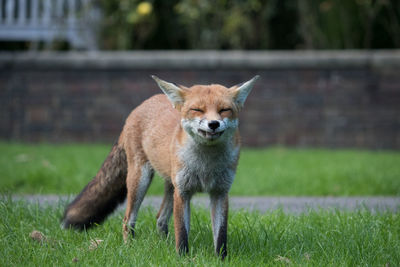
{"x":166,"y":208}
{"x":138,"y":181}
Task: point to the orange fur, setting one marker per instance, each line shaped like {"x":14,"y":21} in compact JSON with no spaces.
{"x":190,"y":137}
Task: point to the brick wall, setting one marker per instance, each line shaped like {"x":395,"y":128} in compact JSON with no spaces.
{"x":329,"y":99}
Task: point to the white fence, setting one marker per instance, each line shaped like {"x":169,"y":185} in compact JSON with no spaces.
{"x":74,"y":21}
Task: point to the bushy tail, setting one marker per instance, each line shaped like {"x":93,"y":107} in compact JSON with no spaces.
{"x":102,"y":195}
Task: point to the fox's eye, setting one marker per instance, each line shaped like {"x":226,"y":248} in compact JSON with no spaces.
{"x":197,"y":110}
{"x":224,"y":110}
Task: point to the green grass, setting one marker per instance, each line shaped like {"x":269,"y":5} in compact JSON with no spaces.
{"x":66,"y":169}
{"x":320,"y":238}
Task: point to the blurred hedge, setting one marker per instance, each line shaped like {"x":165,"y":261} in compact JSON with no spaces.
{"x":252,"y":24}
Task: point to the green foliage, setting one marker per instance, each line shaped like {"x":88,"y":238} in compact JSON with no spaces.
{"x":66,"y":169}
{"x":125,"y":25}
{"x":220,"y":24}
{"x":316,"y":238}
{"x":254,"y":24}
{"x":331,"y":24}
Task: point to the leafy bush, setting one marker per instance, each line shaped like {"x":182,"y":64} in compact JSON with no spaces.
{"x":253,"y":24}
{"x":349,"y":24}
{"x":238,"y":24}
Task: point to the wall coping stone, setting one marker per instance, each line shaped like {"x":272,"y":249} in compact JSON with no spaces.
{"x":202,"y":59}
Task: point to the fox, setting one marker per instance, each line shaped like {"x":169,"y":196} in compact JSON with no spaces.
{"x":190,"y":137}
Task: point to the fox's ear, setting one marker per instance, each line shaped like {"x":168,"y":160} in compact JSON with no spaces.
{"x":240,"y":92}
{"x":174,"y":93}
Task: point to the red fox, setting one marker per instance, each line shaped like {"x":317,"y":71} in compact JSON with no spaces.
{"x":190,"y":137}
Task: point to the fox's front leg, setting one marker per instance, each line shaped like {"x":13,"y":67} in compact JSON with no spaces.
{"x":181,"y":221}
{"x":219,"y":217}
{"x":166,"y":208}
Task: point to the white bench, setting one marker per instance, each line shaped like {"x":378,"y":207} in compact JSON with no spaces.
{"x":74,"y":21}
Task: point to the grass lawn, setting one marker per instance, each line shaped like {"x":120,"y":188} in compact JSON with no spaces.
{"x":320,"y":238}
{"x":66,"y":169}
{"x":317,"y":238}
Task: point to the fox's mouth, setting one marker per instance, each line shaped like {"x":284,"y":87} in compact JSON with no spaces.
{"x":210,"y":135}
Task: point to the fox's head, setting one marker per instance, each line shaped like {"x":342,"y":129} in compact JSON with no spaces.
{"x":209,"y":113}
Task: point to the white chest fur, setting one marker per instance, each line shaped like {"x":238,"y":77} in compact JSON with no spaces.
{"x":207,"y":168}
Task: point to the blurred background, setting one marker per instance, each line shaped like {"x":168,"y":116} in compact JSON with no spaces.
{"x":72,"y":70}
{"x":195,"y":24}
{"x":324,"y":119}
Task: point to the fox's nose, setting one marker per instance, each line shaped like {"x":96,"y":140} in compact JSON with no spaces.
{"x":213,"y":125}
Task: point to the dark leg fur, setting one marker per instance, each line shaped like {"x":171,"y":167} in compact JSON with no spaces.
{"x":164,"y":214}
{"x":219,"y":215}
